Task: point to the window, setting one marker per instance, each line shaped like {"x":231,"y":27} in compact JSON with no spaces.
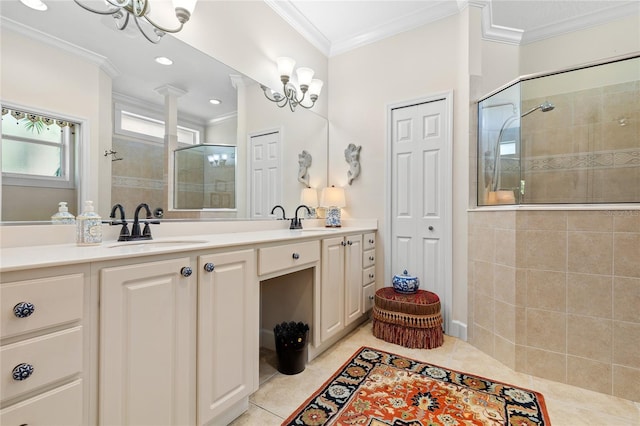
{"x":37,"y":150}
{"x":132,"y":124}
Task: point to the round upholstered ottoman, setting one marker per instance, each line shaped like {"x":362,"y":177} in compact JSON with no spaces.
{"x":410,"y":320}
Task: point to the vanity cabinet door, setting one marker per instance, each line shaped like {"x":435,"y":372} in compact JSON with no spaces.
{"x":332,"y":290}
{"x":147,"y":343}
{"x":228,"y":340}
{"x":353,"y":278}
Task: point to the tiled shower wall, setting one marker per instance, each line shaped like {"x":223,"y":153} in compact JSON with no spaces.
{"x":556,"y":294}
{"x":587,"y":149}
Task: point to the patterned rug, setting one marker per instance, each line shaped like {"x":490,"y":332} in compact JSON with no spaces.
{"x":376,"y":388}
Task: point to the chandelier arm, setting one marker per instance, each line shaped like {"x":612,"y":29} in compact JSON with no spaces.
{"x":161,"y":28}
{"x":135,"y":19}
{"x":99,"y":12}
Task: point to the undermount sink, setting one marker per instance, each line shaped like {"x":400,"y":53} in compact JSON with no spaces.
{"x":155,"y":243}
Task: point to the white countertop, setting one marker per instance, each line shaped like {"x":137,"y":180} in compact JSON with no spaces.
{"x":36,"y":256}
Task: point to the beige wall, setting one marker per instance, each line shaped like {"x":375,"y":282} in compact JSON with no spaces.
{"x":68,"y":85}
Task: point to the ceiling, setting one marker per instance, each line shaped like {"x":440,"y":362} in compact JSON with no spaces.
{"x":332,"y":26}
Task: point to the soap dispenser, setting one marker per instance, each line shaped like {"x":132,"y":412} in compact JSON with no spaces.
{"x":62,"y":217}
{"x":89,"y":226}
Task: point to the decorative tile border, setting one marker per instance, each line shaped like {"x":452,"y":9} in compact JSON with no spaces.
{"x":136,"y":182}
{"x":597,"y":160}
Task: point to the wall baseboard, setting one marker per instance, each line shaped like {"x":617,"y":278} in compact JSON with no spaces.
{"x":458,"y":329}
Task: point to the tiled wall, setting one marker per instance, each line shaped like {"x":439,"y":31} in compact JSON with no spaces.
{"x":587,"y":149}
{"x":139,"y":176}
{"x":556,"y":294}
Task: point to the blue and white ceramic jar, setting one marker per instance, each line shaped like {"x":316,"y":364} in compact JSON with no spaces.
{"x":405,"y":283}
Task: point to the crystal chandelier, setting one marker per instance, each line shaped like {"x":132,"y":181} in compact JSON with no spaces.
{"x":290,"y":93}
{"x":139,"y":10}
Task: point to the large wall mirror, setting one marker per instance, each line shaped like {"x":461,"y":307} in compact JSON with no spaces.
{"x":109,"y":81}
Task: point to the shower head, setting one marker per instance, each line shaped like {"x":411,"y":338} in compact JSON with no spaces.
{"x":544,"y":107}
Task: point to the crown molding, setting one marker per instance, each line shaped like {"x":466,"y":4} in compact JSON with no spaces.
{"x":104,"y":63}
{"x":301,"y":24}
{"x":582,"y":22}
{"x":408,"y":22}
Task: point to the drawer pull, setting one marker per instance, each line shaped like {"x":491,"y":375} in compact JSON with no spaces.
{"x":186,"y":271}
{"x":371,"y":241}
{"x":371,"y":275}
{"x":23,"y":309}
{"x":342,"y":243}
{"x":371,"y":297}
{"x":349,"y":242}
{"x":296,"y":256}
{"x":22,"y":371}
{"x":371,"y":258}
{"x":209,"y":267}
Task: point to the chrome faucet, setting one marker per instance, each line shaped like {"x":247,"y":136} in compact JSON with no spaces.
{"x":281,"y":208}
{"x":146,"y":232}
{"x":296,"y":222}
{"x":124,"y":231}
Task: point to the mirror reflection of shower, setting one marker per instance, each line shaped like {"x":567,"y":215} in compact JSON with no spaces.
{"x":497,"y":195}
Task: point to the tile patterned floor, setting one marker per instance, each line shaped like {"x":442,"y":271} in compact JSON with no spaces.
{"x":279,"y":395}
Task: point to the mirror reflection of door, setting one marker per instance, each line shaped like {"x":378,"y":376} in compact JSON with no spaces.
{"x":265,"y":173}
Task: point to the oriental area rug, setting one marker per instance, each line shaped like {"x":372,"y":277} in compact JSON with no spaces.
{"x":376,"y":388}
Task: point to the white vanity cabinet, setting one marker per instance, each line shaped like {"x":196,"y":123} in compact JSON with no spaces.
{"x":228,"y":322}
{"x":148,"y":343}
{"x":43,"y":352}
{"x":341,"y":290}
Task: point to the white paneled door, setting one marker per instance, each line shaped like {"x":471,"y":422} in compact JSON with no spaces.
{"x":265,"y":174}
{"x":421,"y":183}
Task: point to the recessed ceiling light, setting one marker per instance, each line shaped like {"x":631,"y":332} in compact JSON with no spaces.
{"x":34,"y":4}
{"x":215,"y":101}
{"x":163,"y":60}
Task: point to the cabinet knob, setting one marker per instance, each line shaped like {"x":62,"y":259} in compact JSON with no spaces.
{"x":430,"y":228}
{"x":371,"y":275}
{"x":349,"y":242}
{"x":371,"y":258}
{"x":22,"y":371}
{"x":296,"y":256}
{"x":23,"y":309}
{"x":371,"y":297}
{"x":371,"y":241}
{"x":209,"y":267}
{"x":186,"y":271}
{"x":342,"y":243}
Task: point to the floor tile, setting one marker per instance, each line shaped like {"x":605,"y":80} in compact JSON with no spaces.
{"x":279,"y":394}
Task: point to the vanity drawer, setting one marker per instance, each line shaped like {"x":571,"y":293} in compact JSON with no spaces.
{"x":55,"y":300}
{"x":272,"y":259}
{"x":60,"y":406}
{"x":368,"y":296}
{"x":368,"y":258}
{"x":369,"y":241}
{"x":53,"y":356}
{"x":369,"y":275}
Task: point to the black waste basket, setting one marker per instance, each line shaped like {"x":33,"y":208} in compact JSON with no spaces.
{"x":291,"y":346}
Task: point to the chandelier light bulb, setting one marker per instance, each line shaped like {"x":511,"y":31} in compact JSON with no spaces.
{"x":304,"y":77}
{"x":285,"y":66}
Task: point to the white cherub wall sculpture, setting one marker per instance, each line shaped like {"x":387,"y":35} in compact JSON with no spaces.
{"x":352,"y":155}
{"x":304,"y":161}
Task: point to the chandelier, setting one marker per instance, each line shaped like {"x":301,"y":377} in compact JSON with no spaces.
{"x":139,"y":10}
{"x":290,"y":93}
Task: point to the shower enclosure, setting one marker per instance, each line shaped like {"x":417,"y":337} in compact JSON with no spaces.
{"x":205,"y":177}
{"x":567,"y":137}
